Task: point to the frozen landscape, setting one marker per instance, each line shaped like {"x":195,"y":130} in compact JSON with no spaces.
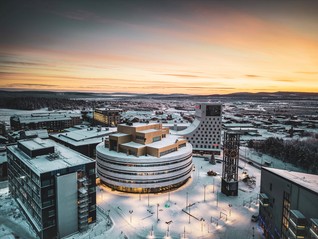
{"x":213,"y":215}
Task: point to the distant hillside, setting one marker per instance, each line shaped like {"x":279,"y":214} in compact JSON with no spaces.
{"x":31,"y":100}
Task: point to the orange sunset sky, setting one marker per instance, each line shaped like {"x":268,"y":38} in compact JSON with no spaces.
{"x":191,"y":47}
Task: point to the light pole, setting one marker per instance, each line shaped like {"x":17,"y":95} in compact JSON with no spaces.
{"x":130,"y":211}
{"x":202,"y":221}
{"x":157,"y":212}
{"x":230,"y":206}
{"x":189,"y":213}
{"x":217,"y":198}
{"x":213,"y":185}
{"x":148,"y":199}
{"x":187,"y":200}
{"x":204,"y":191}
{"x":168,"y":223}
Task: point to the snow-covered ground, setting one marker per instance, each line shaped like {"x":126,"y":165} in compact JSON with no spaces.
{"x":213,"y":215}
{"x":12,"y":222}
{"x":135,"y":216}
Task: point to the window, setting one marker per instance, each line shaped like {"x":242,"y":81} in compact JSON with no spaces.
{"x":155,"y":139}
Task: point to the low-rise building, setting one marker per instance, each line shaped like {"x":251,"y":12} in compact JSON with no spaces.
{"x":107,"y":116}
{"x":54,"y":186}
{"x":52,"y":121}
{"x":84,"y":140}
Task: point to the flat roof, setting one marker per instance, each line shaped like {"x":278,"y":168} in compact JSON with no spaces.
{"x":3,"y":157}
{"x":148,"y":131}
{"x":309,"y":181}
{"x":84,"y":136}
{"x":119,"y":134}
{"x":65,"y":157}
{"x":35,"y":144}
{"x":134,"y":145}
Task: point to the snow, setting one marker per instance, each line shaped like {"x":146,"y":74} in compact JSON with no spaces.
{"x":66,"y":157}
{"x":309,"y":181}
{"x":136,"y":214}
{"x":13,"y":224}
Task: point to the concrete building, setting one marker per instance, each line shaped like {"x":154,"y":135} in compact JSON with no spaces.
{"x":54,"y":186}
{"x":288,"y":204}
{"x":13,"y":137}
{"x":107,"y":116}
{"x":3,"y":130}
{"x":205,"y":131}
{"x":3,"y":163}
{"x":144,"y":158}
{"x":84,"y":140}
{"x":53,"y":121}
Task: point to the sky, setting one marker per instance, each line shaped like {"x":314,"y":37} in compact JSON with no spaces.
{"x":177,"y":46}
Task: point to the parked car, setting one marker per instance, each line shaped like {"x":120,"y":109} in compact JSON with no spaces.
{"x":254,"y":218}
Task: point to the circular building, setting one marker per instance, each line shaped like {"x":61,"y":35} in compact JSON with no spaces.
{"x":143,"y":158}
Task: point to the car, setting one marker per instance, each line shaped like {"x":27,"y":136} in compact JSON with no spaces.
{"x":254,"y":218}
{"x":250,"y":163}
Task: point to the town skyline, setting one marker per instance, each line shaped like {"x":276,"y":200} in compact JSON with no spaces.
{"x":202,"y":47}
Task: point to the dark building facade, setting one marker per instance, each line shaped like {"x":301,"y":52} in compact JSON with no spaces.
{"x":53,"y":122}
{"x":288,"y":204}
{"x":54,"y":186}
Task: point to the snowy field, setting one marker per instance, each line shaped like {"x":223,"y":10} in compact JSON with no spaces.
{"x":135,"y":216}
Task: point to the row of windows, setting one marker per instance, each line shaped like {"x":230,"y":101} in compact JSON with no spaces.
{"x":144,"y":173}
{"x":130,"y":164}
{"x":146,"y":181}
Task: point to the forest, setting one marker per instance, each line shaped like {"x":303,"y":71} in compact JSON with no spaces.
{"x":303,"y":154}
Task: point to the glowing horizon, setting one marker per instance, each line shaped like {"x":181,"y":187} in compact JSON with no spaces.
{"x":184,"y":48}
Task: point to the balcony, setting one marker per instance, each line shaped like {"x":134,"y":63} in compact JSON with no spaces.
{"x":313,"y":230}
{"x":297,"y":224}
{"x":263,"y":200}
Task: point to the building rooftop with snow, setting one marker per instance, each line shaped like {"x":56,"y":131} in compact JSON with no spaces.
{"x":53,"y":185}
{"x":84,"y":140}
{"x":52,"y":121}
{"x":288,"y":204}
{"x":144,"y":158}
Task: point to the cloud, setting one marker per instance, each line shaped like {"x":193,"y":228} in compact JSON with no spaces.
{"x":252,"y":76}
{"x":308,"y":72}
{"x":182,"y":75}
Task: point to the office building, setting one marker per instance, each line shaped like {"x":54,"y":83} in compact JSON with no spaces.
{"x":288,"y":204}
{"x":107,"y":116}
{"x":205,"y":131}
{"x":53,"y":185}
{"x":143,"y":158}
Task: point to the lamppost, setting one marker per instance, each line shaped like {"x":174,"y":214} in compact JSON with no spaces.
{"x":253,"y":231}
{"x":168,"y":223}
{"x":213,"y":185}
{"x":230,"y":206}
{"x":187,"y":200}
{"x":148,"y":199}
{"x":204,"y":192}
{"x":130,"y":211}
{"x":202,"y":221}
{"x":157,"y":212}
{"x":217,"y":198}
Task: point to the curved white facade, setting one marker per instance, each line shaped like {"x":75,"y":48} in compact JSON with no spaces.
{"x":143,"y":174}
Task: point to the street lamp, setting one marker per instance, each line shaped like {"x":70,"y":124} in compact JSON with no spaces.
{"x":187,"y":200}
{"x":230,"y":206}
{"x":168,"y":223}
{"x":157,"y":212}
{"x":204,"y":191}
{"x":202,"y":221}
{"x":130,"y":211}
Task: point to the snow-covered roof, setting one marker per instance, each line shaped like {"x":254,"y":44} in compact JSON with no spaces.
{"x":3,"y":157}
{"x":168,"y":140}
{"x":309,"y":181}
{"x":148,"y":131}
{"x":41,"y":133}
{"x":119,"y":134}
{"x":133,"y":145}
{"x":84,"y":136}
{"x":65,"y":157}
